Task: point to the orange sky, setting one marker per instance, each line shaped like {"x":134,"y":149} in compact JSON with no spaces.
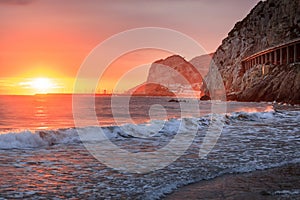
{"x":51,"y":38}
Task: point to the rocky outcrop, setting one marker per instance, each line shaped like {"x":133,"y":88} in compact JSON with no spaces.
{"x":174,"y":75}
{"x":205,"y":98}
{"x":270,"y":23}
{"x":174,"y":71}
{"x":150,"y":89}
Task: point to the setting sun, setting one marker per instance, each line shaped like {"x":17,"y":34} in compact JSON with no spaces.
{"x":42,"y":85}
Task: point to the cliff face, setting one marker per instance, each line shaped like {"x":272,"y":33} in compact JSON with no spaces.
{"x":280,"y":83}
{"x":174,"y":75}
{"x":177,"y":74}
{"x":270,"y":23}
{"x":174,"y":70}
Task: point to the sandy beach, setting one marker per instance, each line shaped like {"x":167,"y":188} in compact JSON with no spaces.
{"x":276,"y":183}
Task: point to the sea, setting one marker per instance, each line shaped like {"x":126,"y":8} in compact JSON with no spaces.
{"x":119,"y":147}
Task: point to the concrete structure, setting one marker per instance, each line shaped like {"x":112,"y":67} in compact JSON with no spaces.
{"x":285,"y":53}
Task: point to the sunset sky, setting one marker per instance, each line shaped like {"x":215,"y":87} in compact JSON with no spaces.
{"x":44,"y":42}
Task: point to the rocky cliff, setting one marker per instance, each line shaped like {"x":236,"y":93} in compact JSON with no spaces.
{"x":174,"y":71}
{"x":270,"y":23}
{"x":175,"y":75}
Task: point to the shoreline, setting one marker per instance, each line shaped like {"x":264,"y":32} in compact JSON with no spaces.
{"x":274,"y":183}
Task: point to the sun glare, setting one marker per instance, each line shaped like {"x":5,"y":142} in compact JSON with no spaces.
{"x":42,"y":85}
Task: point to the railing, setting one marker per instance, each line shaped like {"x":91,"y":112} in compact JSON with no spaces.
{"x":285,"y":53}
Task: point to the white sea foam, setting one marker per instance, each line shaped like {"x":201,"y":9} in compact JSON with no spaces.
{"x":249,"y":142}
{"x":29,"y":139}
{"x":24,"y":139}
{"x":155,"y":128}
{"x":287,"y":192}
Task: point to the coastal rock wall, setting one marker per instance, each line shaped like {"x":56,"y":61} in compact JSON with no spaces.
{"x":268,"y":24}
{"x":280,"y":83}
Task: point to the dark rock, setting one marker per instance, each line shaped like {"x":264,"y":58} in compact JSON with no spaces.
{"x":265,"y":193}
{"x":205,"y":98}
{"x":177,"y":101}
{"x":173,"y":100}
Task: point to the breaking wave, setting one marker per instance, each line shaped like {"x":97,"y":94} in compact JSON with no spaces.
{"x":155,"y":128}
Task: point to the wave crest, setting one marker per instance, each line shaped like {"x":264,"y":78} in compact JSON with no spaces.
{"x":156,"y":128}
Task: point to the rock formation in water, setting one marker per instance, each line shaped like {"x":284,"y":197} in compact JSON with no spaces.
{"x":178,"y":75}
{"x":150,"y":89}
{"x":174,"y":75}
{"x":174,"y":71}
{"x":270,"y":23}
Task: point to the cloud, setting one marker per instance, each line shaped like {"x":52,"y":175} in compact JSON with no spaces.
{"x":16,"y":2}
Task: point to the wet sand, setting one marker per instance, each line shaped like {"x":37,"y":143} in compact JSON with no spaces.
{"x":275,"y":183}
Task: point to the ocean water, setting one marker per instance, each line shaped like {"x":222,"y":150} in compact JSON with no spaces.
{"x":43,"y":156}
